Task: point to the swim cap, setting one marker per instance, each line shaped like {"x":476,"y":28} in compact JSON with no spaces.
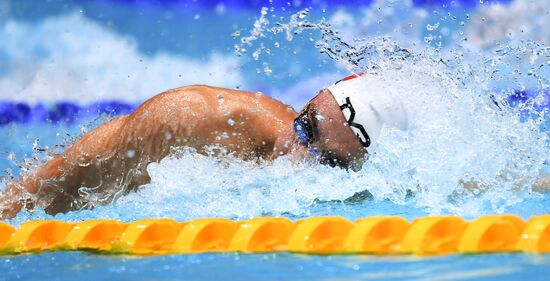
{"x":368,"y":105}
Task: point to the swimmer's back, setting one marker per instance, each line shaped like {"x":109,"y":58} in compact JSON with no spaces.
{"x":200,"y":115}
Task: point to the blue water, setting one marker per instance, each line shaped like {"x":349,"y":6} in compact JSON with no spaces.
{"x":67,"y":66}
{"x":78,"y":266}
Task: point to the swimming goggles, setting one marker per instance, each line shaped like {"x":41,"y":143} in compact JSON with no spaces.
{"x":303,"y":128}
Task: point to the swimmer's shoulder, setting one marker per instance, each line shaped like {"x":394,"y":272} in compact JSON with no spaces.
{"x":193,"y":94}
{"x":198,"y":91}
{"x":209,"y":94}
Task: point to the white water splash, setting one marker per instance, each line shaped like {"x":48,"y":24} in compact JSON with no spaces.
{"x":466,"y":151}
{"x":521,"y":19}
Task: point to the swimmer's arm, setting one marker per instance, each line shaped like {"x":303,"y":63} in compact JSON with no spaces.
{"x":541,"y":184}
{"x":64,"y":172}
{"x":18,"y":194}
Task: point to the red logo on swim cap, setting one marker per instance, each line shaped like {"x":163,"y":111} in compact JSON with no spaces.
{"x":350,"y":77}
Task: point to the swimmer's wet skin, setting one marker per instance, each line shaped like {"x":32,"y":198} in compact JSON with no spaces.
{"x":317,"y":235}
{"x":249,"y":125}
{"x":336,"y":127}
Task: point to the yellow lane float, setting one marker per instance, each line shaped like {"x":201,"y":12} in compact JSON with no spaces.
{"x":96,"y":235}
{"x":319,"y":235}
{"x":37,"y":235}
{"x":148,"y":237}
{"x":536,"y":236}
{"x":492,"y":234}
{"x":262,"y":235}
{"x":6,"y":231}
{"x":434,"y":235}
{"x":205,"y":235}
{"x":376,"y":235}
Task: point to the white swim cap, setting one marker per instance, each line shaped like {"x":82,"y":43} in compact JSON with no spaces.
{"x":368,"y":105}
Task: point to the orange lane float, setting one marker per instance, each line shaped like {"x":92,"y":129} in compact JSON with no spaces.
{"x":434,"y":235}
{"x":97,"y":235}
{"x":376,"y":235}
{"x":319,"y":235}
{"x":6,"y":231}
{"x":492,"y":234}
{"x":262,"y":235}
{"x":148,"y":237}
{"x":37,"y":235}
{"x":536,"y":236}
{"x":205,"y":235}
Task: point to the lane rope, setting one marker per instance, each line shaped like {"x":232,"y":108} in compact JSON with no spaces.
{"x":432,"y":235}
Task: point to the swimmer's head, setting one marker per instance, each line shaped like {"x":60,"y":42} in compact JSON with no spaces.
{"x":342,"y":122}
{"x":368,"y":105}
{"x":321,"y":130}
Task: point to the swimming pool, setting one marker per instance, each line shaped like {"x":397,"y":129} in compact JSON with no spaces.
{"x":64,"y":266}
{"x":443,"y":56}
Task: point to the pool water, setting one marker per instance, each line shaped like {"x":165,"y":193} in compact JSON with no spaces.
{"x":475,"y":78}
{"x":66,"y":266}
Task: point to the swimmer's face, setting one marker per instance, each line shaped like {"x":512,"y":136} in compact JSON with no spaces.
{"x":333,"y":139}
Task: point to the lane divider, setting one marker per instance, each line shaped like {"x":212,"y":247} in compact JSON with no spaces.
{"x":58,"y":112}
{"x":12,"y":112}
{"x":433,"y":235}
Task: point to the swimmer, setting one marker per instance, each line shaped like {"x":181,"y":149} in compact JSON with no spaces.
{"x":336,"y":128}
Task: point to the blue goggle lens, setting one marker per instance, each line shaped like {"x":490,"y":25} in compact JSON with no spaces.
{"x":300,"y":128}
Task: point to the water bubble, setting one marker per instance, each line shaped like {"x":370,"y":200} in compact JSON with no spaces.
{"x":428,"y":39}
{"x":264,"y":11}
{"x":11,"y":156}
{"x":230,"y":122}
{"x":256,"y":54}
{"x":433,"y":27}
{"x":267,"y":70}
